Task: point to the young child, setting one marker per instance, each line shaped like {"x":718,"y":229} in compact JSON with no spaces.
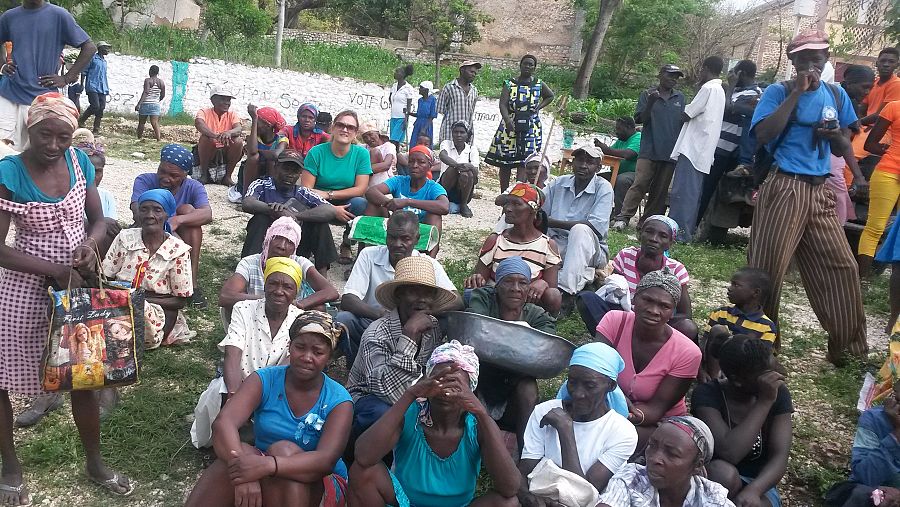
{"x":97,"y":154}
{"x":383,"y":154}
{"x":749,"y":289}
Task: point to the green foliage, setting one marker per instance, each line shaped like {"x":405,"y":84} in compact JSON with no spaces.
{"x":225,"y":18}
{"x":646,"y":33}
{"x":440,"y":24}
{"x":95,"y":19}
{"x":892,"y":22}
{"x":598,"y":114}
{"x":375,"y":18}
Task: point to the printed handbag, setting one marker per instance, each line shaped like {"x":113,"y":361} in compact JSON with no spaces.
{"x":96,"y":338}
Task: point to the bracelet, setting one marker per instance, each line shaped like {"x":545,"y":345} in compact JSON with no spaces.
{"x":275,"y":473}
{"x":641,"y":412}
{"x":3,"y":68}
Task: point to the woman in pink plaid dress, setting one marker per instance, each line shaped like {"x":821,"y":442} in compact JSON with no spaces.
{"x":46,"y":191}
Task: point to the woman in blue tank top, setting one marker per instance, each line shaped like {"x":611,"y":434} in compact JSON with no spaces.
{"x":301,"y":422}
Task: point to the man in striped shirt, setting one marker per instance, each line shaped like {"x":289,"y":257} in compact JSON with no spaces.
{"x":457,"y":99}
{"x":735,"y":145}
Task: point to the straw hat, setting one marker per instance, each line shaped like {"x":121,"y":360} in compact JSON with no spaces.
{"x":414,"y":270}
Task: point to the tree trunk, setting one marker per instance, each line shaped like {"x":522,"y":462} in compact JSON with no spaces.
{"x":437,"y":70}
{"x":592,"y":52}
{"x":279,"y":34}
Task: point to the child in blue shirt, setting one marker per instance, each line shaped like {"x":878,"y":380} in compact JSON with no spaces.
{"x":415,"y":192}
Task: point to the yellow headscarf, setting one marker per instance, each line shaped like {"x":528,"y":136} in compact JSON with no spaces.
{"x":286,"y":266}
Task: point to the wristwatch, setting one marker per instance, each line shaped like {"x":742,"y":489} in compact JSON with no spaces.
{"x":331,"y":194}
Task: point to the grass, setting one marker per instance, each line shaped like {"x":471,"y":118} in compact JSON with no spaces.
{"x":147,"y":437}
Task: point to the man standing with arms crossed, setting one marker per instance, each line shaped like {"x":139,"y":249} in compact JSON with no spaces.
{"x":659,"y":109}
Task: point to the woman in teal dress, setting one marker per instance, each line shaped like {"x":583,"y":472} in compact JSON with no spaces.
{"x":440,"y":433}
{"x":519,"y":134}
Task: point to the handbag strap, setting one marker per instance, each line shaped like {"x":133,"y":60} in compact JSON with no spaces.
{"x":621,"y":328}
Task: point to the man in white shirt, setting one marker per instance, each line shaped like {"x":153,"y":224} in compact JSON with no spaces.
{"x":696,"y":146}
{"x":375,"y":265}
{"x":459,"y":168}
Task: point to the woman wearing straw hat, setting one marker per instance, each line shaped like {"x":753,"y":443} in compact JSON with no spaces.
{"x":395,"y":348}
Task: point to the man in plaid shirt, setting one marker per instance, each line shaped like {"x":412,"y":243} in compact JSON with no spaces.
{"x":396,"y":347}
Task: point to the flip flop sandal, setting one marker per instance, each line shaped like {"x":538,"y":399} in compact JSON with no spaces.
{"x":17,"y":490}
{"x":112,"y":483}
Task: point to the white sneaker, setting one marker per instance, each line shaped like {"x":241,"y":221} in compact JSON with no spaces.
{"x":620,"y":225}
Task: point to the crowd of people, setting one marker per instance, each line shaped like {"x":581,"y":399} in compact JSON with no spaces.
{"x":655,"y":409}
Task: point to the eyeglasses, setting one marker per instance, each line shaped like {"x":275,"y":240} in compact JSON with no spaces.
{"x":345,"y":126}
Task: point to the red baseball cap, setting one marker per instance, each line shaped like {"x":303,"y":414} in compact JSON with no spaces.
{"x":811,"y":38}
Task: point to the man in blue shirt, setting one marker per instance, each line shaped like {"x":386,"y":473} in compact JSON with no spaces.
{"x":38,"y":31}
{"x":802,"y":122}
{"x":96,"y":86}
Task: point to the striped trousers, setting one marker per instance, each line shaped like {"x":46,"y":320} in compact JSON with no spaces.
{"x":794,"y":219}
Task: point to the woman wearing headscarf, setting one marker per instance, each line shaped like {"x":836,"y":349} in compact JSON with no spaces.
{"x":584,"y":431}
{"x":661,"y":363}
{"x":266,"y":126}
{"x":46,"y":191}
{"x":257,"y":337}
{"x":192,"y":209}
{"x":440,"y":434}
{"x":295,"y":459}
{"x":149,"y":257}
{"x":509,"y":396}
{"x":674,"y":475}
{"x":304,"y":135}
{"x":425,"y":113}
{"x":657,"y":235}
{"x":281,"y":240}
{"x":522,"y":209}
{"x":413,"y":192}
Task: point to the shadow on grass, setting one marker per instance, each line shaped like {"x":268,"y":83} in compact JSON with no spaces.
{"x":147,"y":436}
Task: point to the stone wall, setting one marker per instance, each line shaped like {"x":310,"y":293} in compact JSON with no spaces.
{"x":341,"y":39}
{"x":178,"y":13}
{"x":284,"y":90}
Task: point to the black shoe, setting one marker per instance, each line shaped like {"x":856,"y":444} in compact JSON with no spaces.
{"x":198,"y":300}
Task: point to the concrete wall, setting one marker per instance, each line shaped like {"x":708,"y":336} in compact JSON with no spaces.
{"x":178,"y":13}
{"x":285,"y":91}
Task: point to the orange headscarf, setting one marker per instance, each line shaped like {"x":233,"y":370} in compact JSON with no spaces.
{"x":52,"y":105}
{"x":531,"y":194}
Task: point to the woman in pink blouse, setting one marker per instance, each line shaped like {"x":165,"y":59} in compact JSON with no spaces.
{"x":660,"y":362}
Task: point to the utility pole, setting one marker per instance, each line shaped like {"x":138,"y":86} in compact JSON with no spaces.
{"x":279,"y":34}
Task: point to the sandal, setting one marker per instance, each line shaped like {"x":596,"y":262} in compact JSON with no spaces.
{"x":346,"y":255}
{"x":6,"y":489}
{"x":112,"y":484}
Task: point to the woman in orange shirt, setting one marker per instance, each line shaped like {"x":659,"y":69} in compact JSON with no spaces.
{"x":884,"y":185}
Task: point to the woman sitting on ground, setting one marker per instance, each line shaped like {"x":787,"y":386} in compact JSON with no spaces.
{"x":266,"y":125}
{"x":339,"y":172}
{"x":674,"y":474}
{"x":414,"y":192}
{"x":660,"y":362}
{"x":522,"y":208}
{"x":281,"y":240}
{"x":749,"y":414}
{"x":508,"y":395}
{"x":657,"y":235}
{"x":438,"y":443}
{"x":295,"y":460}
{"x":585,"y":430}
{"x":257,"y":338}
{"x":305,"y":134}
{"x":151,"y":258}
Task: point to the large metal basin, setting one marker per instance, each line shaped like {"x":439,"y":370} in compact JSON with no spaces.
{"x":511,"y":346}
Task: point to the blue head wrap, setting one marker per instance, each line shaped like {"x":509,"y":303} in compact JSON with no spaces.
{"x":512,"y":266}
{"x":164,"y":198}
{"x":178,"y":155}
{"x":604,"y":360}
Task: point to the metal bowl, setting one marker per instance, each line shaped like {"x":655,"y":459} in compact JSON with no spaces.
{"x":512,"y":346}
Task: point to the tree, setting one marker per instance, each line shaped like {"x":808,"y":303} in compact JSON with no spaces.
{"x":606,"y":10}
{"x":224,"y":18}
{"x":892,"y":22}
{"x":376,"y":18}
{"x":440,"y":24}
{"x":126,"y":7}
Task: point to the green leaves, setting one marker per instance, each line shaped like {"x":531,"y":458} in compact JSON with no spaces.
{"x":224,"y":18}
